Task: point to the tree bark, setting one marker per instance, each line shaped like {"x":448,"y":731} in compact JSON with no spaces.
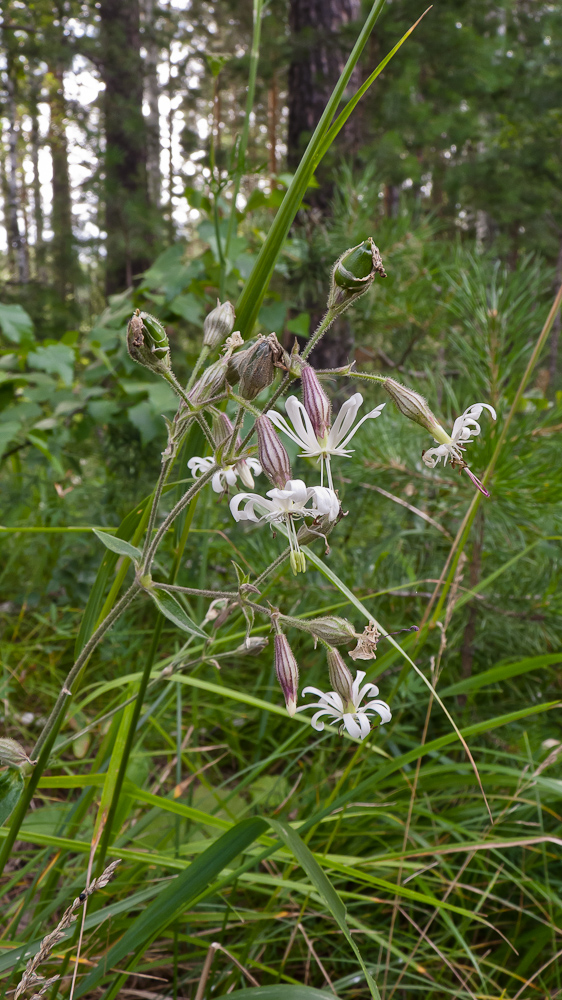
{"x":39,"y":257}
{"x":63,"y":250}
{"x":127,"y":216}
{"x":151,"y":93}
{"x":320,"y":52}
{"x":16,"y":238}
{"x":319,"y":56}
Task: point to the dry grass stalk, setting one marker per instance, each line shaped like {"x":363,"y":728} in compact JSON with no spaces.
{"x":30,"y":977}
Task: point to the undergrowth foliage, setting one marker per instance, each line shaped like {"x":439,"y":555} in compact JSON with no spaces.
{"x":256,"y":839}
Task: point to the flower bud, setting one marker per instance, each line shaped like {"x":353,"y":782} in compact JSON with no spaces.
{"x":316,"y":402}
{"x":412,"y":405}
{"x":287,"y":672}
{"x":218,"y":325}
{"x":341,"y":677}
{"x":353,"y":273}
{"x":331,"y":629}
{"x":211,"y":382}
{"x":255,"y":367}
{"x":272,"y":454}
{"x":147,"y":342}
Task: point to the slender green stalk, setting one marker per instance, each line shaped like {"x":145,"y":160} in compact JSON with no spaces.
{"x":49,"y":733}
{"x":252,"y":295}
{"x":131,"y":733}
{"x":204,"y":354}
{"x":323,"y":326}
{"x":457,"y":547}
{"x":169,"y":520}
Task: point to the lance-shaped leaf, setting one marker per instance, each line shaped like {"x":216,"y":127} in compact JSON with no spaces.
{"x":172,"y":609}
{"x":118,"y":545}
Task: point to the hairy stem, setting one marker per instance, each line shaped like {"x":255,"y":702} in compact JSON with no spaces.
{"x":169,"y":520}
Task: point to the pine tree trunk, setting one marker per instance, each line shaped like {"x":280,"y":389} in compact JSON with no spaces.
{"x":63,"y":251}
{"x":15,"y":236}
{"x":37,"y":203}
{"x":320,"y":51}
{"x":127,"y":215}
{"x":151,"y":93}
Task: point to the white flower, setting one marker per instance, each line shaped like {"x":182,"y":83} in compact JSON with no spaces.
{"x":227,"y":476}
{"x":336,"y":439}
{"x":465,"y":428}
{"x":288,"y":505}
{"x":353,"y":717}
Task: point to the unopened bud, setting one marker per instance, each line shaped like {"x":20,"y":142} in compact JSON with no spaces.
{"x":287,"y":672}
{"x":412,"y":405}
{"x":341,"y":677}
{"x":218,"y":325}
{"x":252,"y":645}
{"x":330,"y":628}
{"x":210,"y":384}
{"x":272,"y":453}
{"x":316,"y":402}
{"x":353,"y":273}
{"x":147,"y":342}
{"x":254,"y":368}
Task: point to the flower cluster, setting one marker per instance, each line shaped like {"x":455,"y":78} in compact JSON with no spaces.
{"x":298,"y":509}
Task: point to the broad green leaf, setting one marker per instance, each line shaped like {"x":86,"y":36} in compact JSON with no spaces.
{"x":56,"y":359}
{"x":11,"y":787}
{"x":118,"y":545}
{"x":16,"y":324}
{"x":172,"y":609}
{"x":176,"y":897}
{"x":322,"y":884}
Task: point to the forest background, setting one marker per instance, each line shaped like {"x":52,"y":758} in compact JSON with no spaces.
{"x":119,"y":161}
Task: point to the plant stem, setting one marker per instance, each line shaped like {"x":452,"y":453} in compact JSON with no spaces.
{"x":169,"y":520}
{"x":205,"y":351}
{"x":194,"y":591}
{"x":324,"y":325}
{"x":50,"y":731}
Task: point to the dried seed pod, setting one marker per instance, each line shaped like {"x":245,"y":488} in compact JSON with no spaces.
{"x":254,"y":368}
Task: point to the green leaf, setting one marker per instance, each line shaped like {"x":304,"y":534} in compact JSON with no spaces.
{"x":172,"y":609}
{"x":176,"y":897}
{"x":281,"y":991}
{"x":16,"y":324}
{"x":132,"y":525}
{"x":118,"y":545}
{"x":11,"y":787}
{"x":249,"y":303}
{"x":322,"y":884}
{"x":502,"y":672}
{"x":56,"y":359}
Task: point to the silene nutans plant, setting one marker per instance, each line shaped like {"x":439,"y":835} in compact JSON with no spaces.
{"x":298,"y":511}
